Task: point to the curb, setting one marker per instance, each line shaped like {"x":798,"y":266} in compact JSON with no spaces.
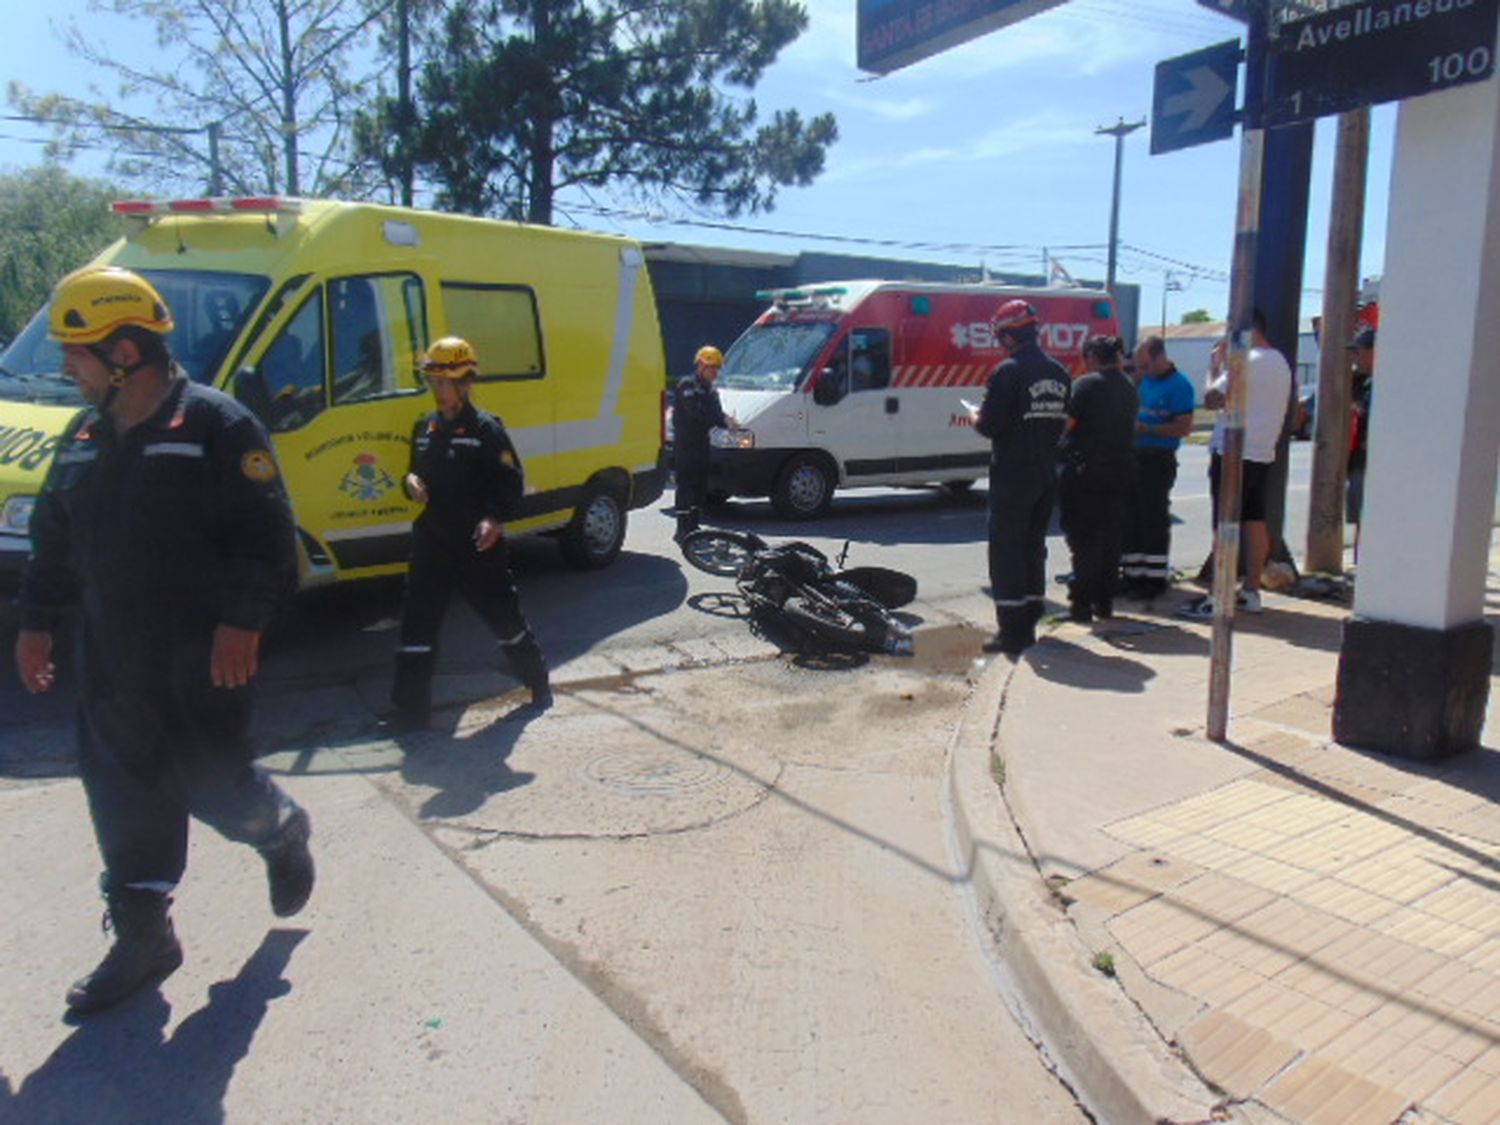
{"x":1101,"y":1043}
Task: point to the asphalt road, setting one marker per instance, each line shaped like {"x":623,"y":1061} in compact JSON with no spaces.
{"x":651,"y":600}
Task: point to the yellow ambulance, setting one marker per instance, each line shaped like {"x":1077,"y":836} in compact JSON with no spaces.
{"x":313,"y":314}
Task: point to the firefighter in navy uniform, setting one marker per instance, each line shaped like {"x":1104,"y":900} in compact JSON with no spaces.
{"x":1023,"y":414}
{"x":164,"y":526}
{"x":466,"y":472}
{"x":695,"y":411}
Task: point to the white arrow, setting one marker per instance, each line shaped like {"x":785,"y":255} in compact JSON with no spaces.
{"x":1199,"y":103}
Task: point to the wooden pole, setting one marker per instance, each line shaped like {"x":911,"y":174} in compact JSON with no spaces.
{"x":1325,"y":514}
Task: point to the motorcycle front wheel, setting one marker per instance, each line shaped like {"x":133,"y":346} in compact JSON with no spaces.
{"x":859,"y":624}
{"x":716,"y":551}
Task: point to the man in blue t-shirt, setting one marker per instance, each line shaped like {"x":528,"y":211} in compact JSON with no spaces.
{"x":1164,"y":419}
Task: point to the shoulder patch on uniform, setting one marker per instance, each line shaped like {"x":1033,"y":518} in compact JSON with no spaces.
{"x":508,"y":458}
{"x":259,"y":466}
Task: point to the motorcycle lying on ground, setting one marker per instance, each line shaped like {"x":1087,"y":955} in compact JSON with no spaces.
{"x":794,"y":584}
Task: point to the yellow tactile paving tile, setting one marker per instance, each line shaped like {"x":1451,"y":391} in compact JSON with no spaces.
{"x":1465,"y":902}
{"x":1261,"y":954}
{"x":1158,"y":928}
{"x":1484,"y":956}
{"x":1415,"y":1070}
{"x":1404,"y":873}
{"x":1204,"y":975}
{"x":1234,"y":1055}
{"x":1206,"y":852}
{"x":1317,"y":1092}
{"x":1226,"y":802}
{"x":1350,"y":903}
{"x":1270,"y":874}
{"x":1222,"y":896}
{"x":1471,"y":1098}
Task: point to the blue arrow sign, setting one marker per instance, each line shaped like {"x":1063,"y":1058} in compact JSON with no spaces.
{"x":1193,"y":99}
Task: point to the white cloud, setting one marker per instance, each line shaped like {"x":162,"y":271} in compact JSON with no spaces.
{"x":1045,"y":133}
{"x":889,"y":109}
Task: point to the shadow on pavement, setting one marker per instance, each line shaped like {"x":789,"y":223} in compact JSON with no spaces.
{"x":858,"y":517}
{"x":118,"y":1067}
{"x":1063,"y":662}
{"x":466,"y":771}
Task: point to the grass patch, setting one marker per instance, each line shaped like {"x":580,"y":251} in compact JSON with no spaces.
{"x":1104,"y":963}
{"x":997,"y":769}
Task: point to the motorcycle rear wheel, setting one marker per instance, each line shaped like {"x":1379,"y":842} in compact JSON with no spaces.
{"x":717,"y":551}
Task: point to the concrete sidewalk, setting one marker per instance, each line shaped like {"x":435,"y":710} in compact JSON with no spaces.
{"x":1311,"y":930}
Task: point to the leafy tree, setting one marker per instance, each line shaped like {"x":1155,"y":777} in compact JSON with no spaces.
{"x":519,"y":100}
{"x":50,"y":223}
{"x":272,"y":76}
{"x":1197,"y":316}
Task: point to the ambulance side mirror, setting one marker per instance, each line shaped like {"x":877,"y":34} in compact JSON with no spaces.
{"x":829,"y":388}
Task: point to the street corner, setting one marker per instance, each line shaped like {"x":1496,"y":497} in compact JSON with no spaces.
{"x":1097,"y":1036}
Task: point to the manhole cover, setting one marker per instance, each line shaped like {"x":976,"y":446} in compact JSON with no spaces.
{"x":654,"y":774}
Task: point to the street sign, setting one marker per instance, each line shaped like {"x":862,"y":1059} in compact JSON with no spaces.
{"x":1377,"y":51}
{"x":1192,"y":101}
{"x":891,"y":34}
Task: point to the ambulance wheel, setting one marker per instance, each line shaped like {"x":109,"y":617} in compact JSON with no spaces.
{"x":596,"y":532}
{"x":804,"y":487}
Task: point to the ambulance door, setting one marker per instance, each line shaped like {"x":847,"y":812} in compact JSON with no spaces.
{"x":863,"y":428}
{"x":337,"y":386}
{"x":942,"y":364}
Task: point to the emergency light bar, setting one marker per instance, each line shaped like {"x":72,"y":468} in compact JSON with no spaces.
{"x":281,"y":211}
{"x":255,"y":204}
{"x":821,"y":295}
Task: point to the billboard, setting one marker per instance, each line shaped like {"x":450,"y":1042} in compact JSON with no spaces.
{"x":896,"y":33}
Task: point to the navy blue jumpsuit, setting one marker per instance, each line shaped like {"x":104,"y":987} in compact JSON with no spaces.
{"x":1023,"y":414}
{"x":695,"y":411}
{"x":156,"y":537}
{"x":471,"y":471}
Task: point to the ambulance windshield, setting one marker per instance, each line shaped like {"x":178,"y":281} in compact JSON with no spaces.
{"x":208,"y":311}
{"x":774,"y":357}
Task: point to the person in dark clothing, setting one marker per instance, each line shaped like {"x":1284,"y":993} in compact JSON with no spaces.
{"x":164,"y":528}
{"x":1165,"y":418}
{"x":1023,"y":413}
{"x":1098,"y":475}
{"x":695,"y":411}
{"x":467,"y":473}
{"x":1362,"y":350}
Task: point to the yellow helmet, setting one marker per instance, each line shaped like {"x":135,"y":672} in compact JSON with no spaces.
{"x":90,"y":304}
{"x":709,"y":354}
{"x":452,"y":357}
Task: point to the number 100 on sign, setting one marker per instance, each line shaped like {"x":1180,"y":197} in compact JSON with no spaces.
{"x":1378,"y":51}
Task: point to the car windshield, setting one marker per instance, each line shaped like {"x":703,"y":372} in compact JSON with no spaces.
{"x":208,"y":312}
{"x":773,"y":357}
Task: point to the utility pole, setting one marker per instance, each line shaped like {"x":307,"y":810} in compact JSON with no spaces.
{"x":1169,"y":284}
{"x":1119,"y":131}
{"x":1241,"y":308}
{"x":403,"y":98}
{"x":1325,"y":515}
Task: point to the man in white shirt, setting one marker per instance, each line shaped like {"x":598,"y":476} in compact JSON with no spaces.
{"x":1269,"y":386}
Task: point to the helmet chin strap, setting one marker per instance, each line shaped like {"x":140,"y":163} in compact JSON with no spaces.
{"x":117,"y":375}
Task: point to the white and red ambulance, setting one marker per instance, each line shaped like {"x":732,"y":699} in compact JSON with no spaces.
{"x":856,"y":383}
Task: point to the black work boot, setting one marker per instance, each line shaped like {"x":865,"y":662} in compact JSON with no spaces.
{"x":289,"y":864}
{"x":145,"y":951}
{"x":411,"y":692}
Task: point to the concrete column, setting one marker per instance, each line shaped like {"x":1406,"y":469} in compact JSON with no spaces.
{"x":1415,"y":662}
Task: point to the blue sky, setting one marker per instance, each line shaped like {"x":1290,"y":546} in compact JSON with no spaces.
{"x":985,"y":154}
